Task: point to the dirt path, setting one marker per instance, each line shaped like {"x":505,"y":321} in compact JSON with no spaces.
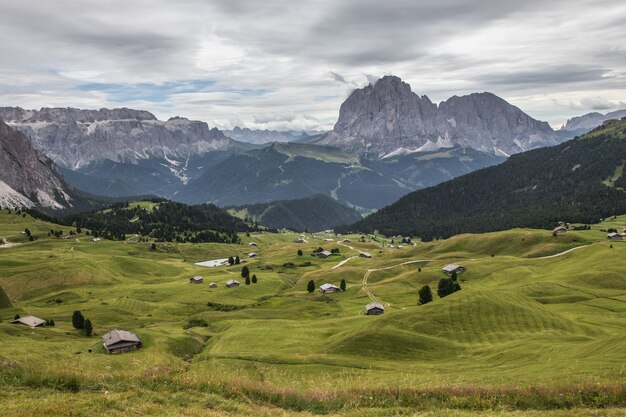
{"x":369,"y":271}
{"x":565,"y":252}
{"x":343,"y":262}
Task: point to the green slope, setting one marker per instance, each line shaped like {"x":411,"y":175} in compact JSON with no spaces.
{"x":532,"y":189}
{"x":314,"y":213}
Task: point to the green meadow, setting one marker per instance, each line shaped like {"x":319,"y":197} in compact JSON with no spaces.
{"x":538,"y":329}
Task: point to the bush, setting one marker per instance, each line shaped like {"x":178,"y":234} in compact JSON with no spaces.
{"x":299,"y":252}
{"x":195,"y":323}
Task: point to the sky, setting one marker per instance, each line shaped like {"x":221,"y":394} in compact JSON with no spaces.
{"x":288,"y":65}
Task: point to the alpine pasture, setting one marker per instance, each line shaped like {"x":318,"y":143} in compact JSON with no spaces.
{"x":528,"y":334}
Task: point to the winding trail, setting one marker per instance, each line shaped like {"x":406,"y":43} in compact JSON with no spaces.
{"x":343,"y":262}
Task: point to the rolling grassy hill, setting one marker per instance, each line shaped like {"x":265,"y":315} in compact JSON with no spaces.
{"x":537,"y":329}
{"x":578,"y":181}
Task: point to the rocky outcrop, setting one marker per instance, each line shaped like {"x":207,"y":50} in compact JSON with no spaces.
{"x":73,"y":138}
{"x":387,"y":118}
{"x":28,"y":178}
{"x":260,"y":137}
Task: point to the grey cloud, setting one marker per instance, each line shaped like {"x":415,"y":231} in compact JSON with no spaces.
{"x":338,"y":77}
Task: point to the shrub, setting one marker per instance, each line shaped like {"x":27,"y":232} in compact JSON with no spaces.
{"x":195,"y":323}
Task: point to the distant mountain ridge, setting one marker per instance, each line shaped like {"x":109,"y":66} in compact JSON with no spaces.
{"x":387,"y":118}
{"x":587,"y":122}
{"x":581,"y":180}
{"x":73,"y":138}
{"x":314,"y":213}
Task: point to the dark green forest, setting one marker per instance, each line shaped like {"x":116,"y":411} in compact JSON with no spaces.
{"x":167,"y":221}
{"x":535,"y":189}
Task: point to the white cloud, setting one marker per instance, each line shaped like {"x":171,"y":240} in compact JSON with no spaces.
{"x":284,"y":64}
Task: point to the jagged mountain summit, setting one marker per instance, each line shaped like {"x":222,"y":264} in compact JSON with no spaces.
{"x":387,"y":118}
{"x":28,"y":178}
{"x":73,"y":138}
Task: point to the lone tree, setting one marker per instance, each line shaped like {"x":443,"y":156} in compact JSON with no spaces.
{"x":88,"y":328}
{"x":446,"y":287}
{"x":299,"y":252}
{"x":247,"y":280}
{"x":310,"y":287}
{"x":231,"y":260}
{"x":254,"y":280}
{"x":342,"y":285}
{"x":237,"y":260}
{"x":78,"y":320}
{"x":245,"y":272}
{"x":426,"y":295}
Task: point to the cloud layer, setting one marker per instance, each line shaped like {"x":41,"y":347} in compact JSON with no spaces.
{"x":281,"y":64}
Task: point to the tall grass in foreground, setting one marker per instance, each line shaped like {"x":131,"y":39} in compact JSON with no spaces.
{"x":475,"y":398}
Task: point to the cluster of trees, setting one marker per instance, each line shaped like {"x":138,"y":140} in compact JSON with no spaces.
{"x":234,"y":261}
{"x":166,"y":222}
{"x":245,"y":273}
{"x":532,"y":189}
{"x":80,"y":322}
{"x":445,"y":287}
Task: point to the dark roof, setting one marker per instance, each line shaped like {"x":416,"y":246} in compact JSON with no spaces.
{"x":116,"y":336}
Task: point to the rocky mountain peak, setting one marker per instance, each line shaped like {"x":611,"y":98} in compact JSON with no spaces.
{"x":387,"y":118}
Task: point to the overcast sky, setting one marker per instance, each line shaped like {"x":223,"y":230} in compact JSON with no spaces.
{"x":290,"y":64}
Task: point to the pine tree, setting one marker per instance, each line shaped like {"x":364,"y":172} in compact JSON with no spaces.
{"x":231,"y":260}
{"x":426,"y":295}
{"x":78,"y":320}
{"x":88,"y":328}
{"x":254,"y":280}
{"x":237,"y":260}
{"x":245,"y":272}
{"x":310,"y":287}
{"x":342,"y":285}
{"x":446,"y":287}
{"x":299,"y":252}
{"x":247,"y":280}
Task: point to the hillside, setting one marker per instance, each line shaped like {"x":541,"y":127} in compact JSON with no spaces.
{"x":578,"y":181}
{"x":314,"y":213}
{"x":161,"y":220}
{"x":293,"y":170}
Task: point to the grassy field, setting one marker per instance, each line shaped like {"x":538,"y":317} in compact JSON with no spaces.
{"x":535,"y":330}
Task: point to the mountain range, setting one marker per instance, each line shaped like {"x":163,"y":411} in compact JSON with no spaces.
{"x":387,"y":118}
{"x":582,"y":124}
{"x":579,"y":181}
{"x":387,"y":142}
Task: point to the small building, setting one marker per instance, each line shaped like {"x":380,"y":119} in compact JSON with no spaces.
{"x":328,"y":239}
{"x":374,"y":309}
{"x":213,"y":285}
{"x":300,"y":240}
{"x":118,"y":341}
{"x":252,"y":244}
{"x":196,"y":280}
{"x":449,"y":269}
{"x":323,"y":254}
{"x":327,"y":288}
{"x":614,"y":236}
{"x":559,"y":230}
{"x":252,"y":255}
{"x":365,"y":255}
{"x":95,"y":240}
{"x":232,"y":283}
{"x":30,"y":321}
